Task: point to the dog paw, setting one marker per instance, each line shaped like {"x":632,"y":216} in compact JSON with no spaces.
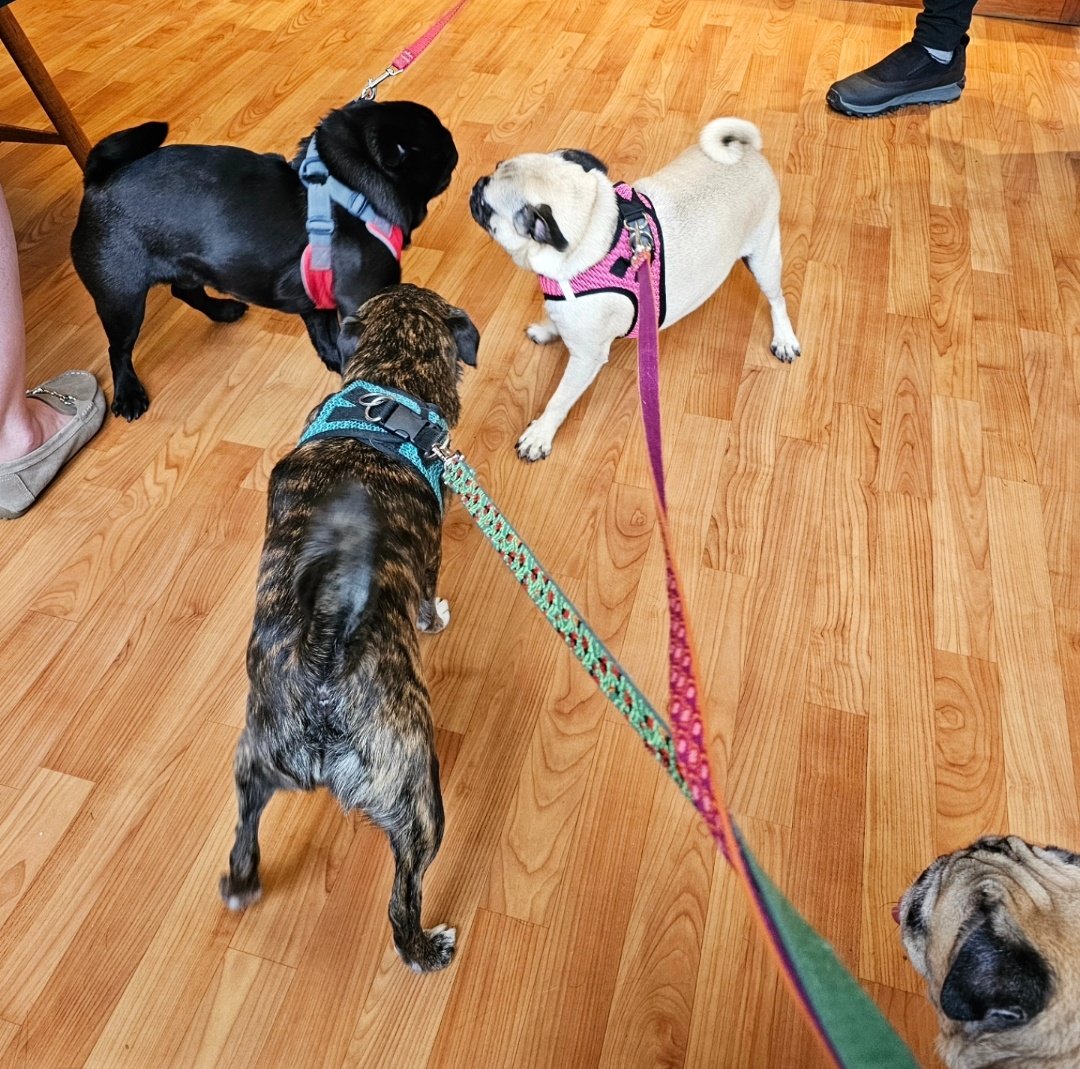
{"x":130,"y":401}
{"x":785,"y":348}
{"x":238,"y":894}
{"x":227,"y":311}
{"x":535,"y":443}
{"x":434,"y":616}
{"x":435,"y":950}
{"x":542,"y":333}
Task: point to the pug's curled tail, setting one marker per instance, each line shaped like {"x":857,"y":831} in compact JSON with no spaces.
{"x":726,"y":140}
{"x":113,"y":152}
{"x":335,"y":564}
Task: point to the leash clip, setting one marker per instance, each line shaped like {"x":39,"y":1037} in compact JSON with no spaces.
{"x":641,"y":242}
{"x":369,"y":90}
{"x":443,"y":451}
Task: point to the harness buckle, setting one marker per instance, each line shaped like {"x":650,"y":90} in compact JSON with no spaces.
{"x":312,"y":169}
{"x":368,"y":92}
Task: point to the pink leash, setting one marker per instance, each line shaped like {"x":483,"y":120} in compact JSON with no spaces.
{"x":845,"y":1021}
{"x":407,"y":56}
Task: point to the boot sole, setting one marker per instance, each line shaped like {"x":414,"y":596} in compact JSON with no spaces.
{"x":942,"y":94}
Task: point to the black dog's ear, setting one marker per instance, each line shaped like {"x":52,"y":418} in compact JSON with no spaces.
{"x":584,"y":159}
{"x":466,"y":335}
{"x":996,"y":982}
{"x":348,"y":339}
{"x":539,"y":224}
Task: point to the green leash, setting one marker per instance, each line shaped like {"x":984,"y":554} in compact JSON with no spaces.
{"x":594,"y":656}
{"x":855,"y":1033}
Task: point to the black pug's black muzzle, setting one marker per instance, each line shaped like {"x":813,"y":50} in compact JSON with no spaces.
{"x":479,"y":208}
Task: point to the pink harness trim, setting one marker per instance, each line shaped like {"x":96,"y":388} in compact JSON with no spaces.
{"x":604,"y":278}
{"x":319,"y":282}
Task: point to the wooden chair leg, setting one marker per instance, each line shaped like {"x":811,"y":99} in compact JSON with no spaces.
{"x":67,"y":129}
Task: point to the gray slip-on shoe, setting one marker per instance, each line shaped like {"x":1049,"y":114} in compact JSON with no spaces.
{"x":22,"y":481}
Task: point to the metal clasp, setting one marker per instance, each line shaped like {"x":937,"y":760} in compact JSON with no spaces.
{"x":368,"y":92}
{"x":443,"y":451}
{"x":372,"y":402}
{"x":641,"y":242}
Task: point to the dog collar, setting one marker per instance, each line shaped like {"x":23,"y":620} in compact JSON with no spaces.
{"x":612,"y":273}
{"x":394,"y":422}
{"x":323,"y":192}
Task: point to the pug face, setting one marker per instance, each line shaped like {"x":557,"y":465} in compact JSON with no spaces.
{"x":995,"y":931}
{"x":554,"y":213}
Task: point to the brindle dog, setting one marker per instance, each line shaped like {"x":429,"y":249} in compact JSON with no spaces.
{"x":348,"y":573}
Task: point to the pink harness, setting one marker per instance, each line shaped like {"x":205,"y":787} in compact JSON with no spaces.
{"x":319,"y":282}
{"x":612,"y":273}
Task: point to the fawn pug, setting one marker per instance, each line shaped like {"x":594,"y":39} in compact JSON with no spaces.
{"x":558,"y":215}
{"x":995,"y":931}
{"x":348,"y":572}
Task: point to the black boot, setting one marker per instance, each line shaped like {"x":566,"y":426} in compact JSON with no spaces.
{"x":910,"y":75}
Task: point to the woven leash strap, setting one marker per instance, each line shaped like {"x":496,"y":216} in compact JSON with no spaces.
{"x":593,"y":655}
{"x":412,"y":52}
{"x":849,"y":1025}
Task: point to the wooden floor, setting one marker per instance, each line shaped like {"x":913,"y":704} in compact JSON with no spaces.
{"x":881,"y":545}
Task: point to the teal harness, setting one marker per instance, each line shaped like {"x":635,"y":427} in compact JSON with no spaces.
{"x":395,"y":423}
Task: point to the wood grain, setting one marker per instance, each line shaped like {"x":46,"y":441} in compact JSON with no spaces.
{"x":879,"y":545}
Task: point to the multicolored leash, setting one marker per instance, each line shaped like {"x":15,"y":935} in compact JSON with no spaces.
{"x":847,"y":1022}
{"x":408,"y":55}
{"x":854,"y":1033}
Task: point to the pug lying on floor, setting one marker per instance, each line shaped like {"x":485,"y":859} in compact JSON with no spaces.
{"x":995,"y":931}
{"x":559,"y":216}
{"x":238,"y":221}
{"x":347,"y":575}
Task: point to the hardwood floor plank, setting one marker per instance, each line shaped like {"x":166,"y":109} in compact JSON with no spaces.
{"x":970,"y":790}
{"x":963,"y":594}
{"x":37,"y":818}
{"x":237,"y":1008}
{"x":651,"y":1007}
{"x":1042,"y":798}
{"x":487,"y":1011}
{"x":900,"y":775}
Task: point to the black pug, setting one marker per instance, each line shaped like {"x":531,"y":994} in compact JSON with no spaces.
{"x":347,"y":575}
{"x":234,"y":220}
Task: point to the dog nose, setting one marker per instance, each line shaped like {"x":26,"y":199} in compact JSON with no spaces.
{"x":479,"y":208}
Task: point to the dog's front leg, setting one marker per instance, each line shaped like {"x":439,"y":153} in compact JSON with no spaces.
{"x":582,"y":367}
{"x":543,"y":332}
{"x":322,"y":327}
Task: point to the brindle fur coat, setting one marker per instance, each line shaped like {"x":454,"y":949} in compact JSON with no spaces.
{"x":347,"y":574}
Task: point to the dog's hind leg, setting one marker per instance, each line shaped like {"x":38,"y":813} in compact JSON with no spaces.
{"x":765,"y":263}
{"x":323,"y":329}
{"x":219,"y":309}
{"x":122,"y":317}
{"x":434,"y":611}
{"x":255,"y":785}
{"x":415,"y":837}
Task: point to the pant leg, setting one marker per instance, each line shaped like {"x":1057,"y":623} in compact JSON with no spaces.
{"x":942,"y":23}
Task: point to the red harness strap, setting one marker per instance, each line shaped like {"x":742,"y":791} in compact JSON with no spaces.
{"x":319,"y":282}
